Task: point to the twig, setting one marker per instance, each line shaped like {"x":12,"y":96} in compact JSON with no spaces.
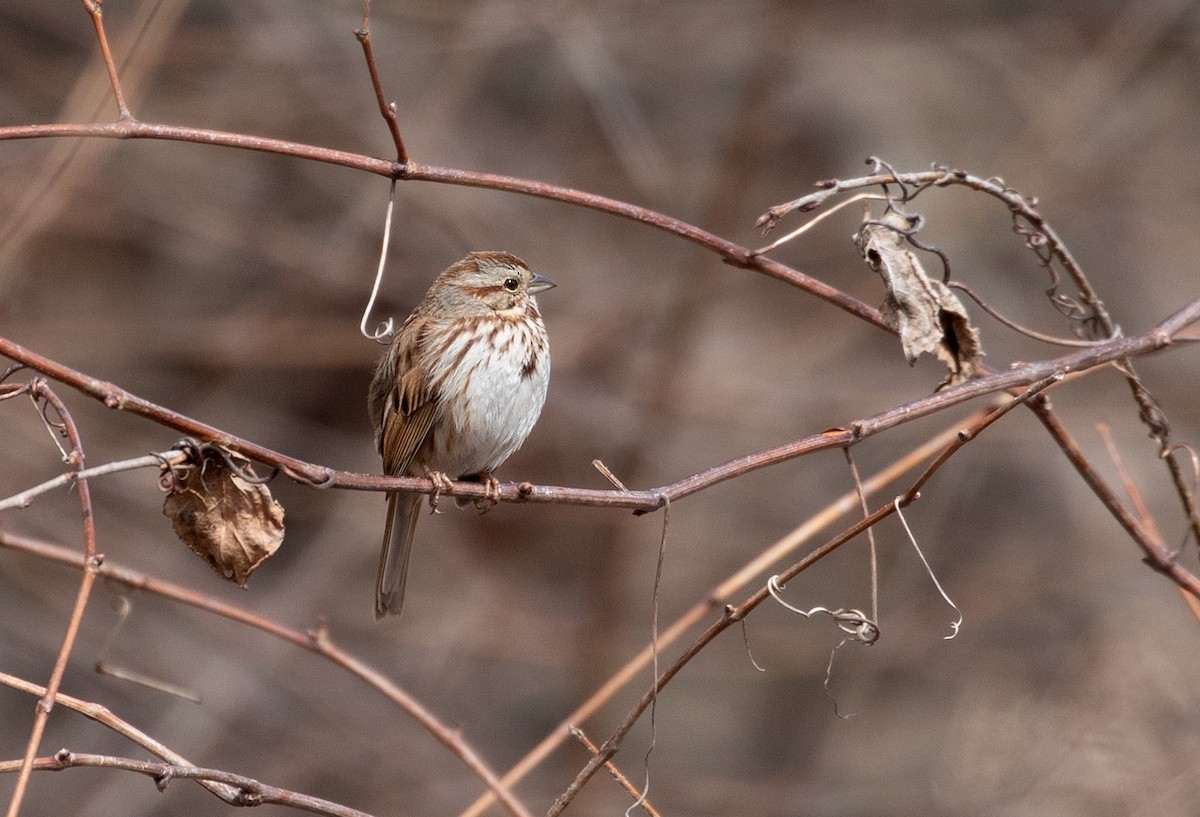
{"x":105,"y":717}
{"x":25,"y":498}
{"x":90,"y":562}
{"x":717,"y":597}
{"x":1016,"y":327}
{"x":1153,"y":340}
{"x":872,"y":554}
{"x":734,"y":614}
{"x":817,"y":219}
{"x":386,"y":109}
{"x":317,"y":641}
{"x":248,"y":792}
{"x":578,"y":734}
{"x":1140,"y":507}
{"x":93,"y":8}
{"x":731,"y":252}
{"x":1018,"y":205}
{"x":966,"y":435}
{"x":1158,"y":556}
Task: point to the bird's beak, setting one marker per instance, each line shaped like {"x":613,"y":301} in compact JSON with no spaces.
{"x":540,"y":283}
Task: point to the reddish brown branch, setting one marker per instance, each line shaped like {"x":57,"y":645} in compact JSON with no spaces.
{"x":89,"y":562}
{"x":317,"y":642}
{"x":719,"y":595}
{"x":1158,"y":556}
{"x":734,"y":614}
{"x":734,"y":254}
{"x":386,"y":109}
{"x":105,"y":717}
{"x":93,"y":8}
{"x":1156,"y":339}
{"x":621,"y":779}
{"x":249,"y":792}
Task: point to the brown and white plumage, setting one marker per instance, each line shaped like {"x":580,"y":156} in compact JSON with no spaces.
{"x":458,"y":390}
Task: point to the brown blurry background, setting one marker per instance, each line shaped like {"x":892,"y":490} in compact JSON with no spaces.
{"x":229,"y":285}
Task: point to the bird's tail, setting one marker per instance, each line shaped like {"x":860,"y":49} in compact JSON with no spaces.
{"x":393,"y":560}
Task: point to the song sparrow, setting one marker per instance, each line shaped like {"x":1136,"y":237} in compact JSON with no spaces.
{"x":457,"y":392}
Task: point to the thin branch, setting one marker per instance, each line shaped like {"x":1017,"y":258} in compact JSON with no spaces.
{"x":386,"y":109}
{"x":872,"y":552}
{"x":1131,"y":490}
{"x":733,"y":614}
{"x":248,"y":792}
{"x":641,"y":801}
{"x":1156,"y":339}
{"x":966,"y":435}
{"x":93,"y":8}
{"x":1158,"y":555}
{"x":719,"y":595}
{"x":1140,"y":506}
{"x":1018,"y":205}
{"x":1016,"y":327}
{"x":89,"y":562}
{"x":731,"y":252}
{"x":317,"y":641}
{"x":817,"y":219}
{"x":25,"y":498}
{"x":105,"y":717}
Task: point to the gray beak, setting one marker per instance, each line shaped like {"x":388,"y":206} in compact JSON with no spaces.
{"x":540,"y":283}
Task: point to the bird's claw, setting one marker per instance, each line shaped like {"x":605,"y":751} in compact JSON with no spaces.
{"x":491,"y":493}
{"x":441,"y":482}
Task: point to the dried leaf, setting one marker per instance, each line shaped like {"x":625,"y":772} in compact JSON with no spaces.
{"x":232,"y":524}
{"x":925,"y":312}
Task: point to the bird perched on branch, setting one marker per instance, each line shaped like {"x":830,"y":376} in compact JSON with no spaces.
{"x":457,"y":392}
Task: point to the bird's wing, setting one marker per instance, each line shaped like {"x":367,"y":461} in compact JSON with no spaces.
{"x":407,"y":419}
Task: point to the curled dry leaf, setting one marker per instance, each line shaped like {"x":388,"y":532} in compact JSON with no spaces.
{"x":925,"y":313}
{"x":232,"y":524}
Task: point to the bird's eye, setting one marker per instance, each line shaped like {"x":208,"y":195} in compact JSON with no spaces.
{"x":511,"y":284}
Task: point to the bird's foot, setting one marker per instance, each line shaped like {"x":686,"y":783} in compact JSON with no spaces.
{"x":441,"y":482}
{"x":491,"y":493}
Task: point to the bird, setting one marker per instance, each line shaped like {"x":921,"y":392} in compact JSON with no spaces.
{"x":458,"y":390}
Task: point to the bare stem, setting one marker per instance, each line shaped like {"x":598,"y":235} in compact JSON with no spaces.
{"x":93,"y":8}
{"x":719,"y":595}
{"x":733,"y":614}
{"x":90,"y":563}
{"x":1158,"y":555}
{"x":247,"y":791}
{"x":317,"y":641}
{"x":26,"y":497}
{"x":386,"y":109}
{"x":1158,"y":338}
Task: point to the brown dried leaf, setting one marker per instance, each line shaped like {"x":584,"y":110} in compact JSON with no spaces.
{"x":925,"y":312}
{"x":232,"y":524}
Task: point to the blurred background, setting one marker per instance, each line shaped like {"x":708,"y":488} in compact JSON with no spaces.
{"x":229,"y":286}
